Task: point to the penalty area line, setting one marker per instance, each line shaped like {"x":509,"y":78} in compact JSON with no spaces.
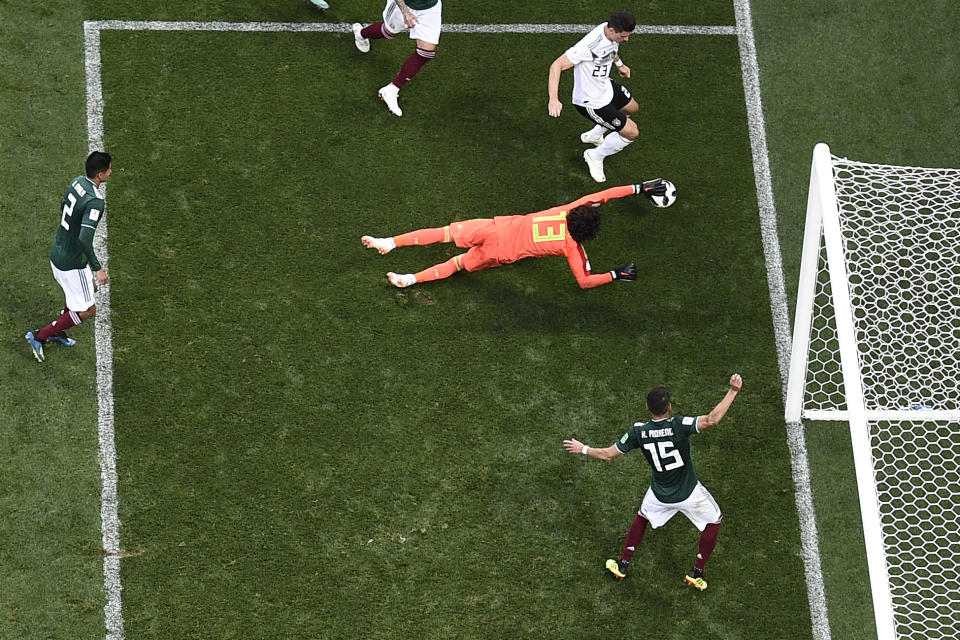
{"x":343,"y":27}
{"x":103,"y":340}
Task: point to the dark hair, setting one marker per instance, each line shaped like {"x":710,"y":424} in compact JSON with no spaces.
{"x":621,"y":21}
{"x":96,"y":162}
{"x":583,"y":222}
{"x":658,"y":401}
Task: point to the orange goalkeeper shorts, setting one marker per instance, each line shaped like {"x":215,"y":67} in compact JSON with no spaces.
{"x":480,"y":236}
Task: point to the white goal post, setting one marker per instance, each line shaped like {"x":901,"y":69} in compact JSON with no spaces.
{"x":876,"y":343}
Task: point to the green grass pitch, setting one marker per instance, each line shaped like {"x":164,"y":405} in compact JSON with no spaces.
{"x":305,"y":452}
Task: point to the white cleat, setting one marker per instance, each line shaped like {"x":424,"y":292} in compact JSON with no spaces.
{"x":401,"y":280}
{"x":363,"y":44}
{"x":595,"y":166}
{"x":383,"y":245}
{"x":389,"y":95}
{"x":319,"y":4}
{"x":586,"y":138}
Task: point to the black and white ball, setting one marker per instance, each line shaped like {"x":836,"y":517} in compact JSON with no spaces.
{"x":668,"y":198}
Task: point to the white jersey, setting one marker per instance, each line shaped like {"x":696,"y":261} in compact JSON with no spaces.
{"x":592,"y":58}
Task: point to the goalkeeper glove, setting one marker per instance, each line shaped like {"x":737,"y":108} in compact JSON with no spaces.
{"x":625,"y":272}
{"x":655,"y":187}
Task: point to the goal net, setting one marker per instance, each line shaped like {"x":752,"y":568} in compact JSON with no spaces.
{"x":876,"y":343}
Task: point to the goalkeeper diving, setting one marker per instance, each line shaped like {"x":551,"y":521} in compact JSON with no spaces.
{"x":491,"y":242}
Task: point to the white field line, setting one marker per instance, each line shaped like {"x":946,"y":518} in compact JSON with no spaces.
{"x":343,"y":27}
{"x":796,"y":439}
{"x":744,"y":31}
{"x":103,"y":337}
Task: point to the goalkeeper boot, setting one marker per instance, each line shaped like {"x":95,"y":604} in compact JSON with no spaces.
{"x":363,"y":44}
{"x":62,"y":338}
{"x":595,"y":166}
{"x":36,"y":345}
{"x":319,"y":4}
{"x":618,"y":568}
{"x":695,"y":579}
{"x":383,"y":245}
{"x":390,"y":93}
{"x":401,"y":280}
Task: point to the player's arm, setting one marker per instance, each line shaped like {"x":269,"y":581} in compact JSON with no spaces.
{"x":561,"y":64}
{"x":607,"y":453}
{"x":712,"y":418}
{"x":622,"y":69}
{"x":606,"y":195}
{"x":408,"y":18}
{"x":577,"y":259}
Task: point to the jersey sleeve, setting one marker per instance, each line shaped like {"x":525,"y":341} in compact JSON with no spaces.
{"x":606,"y":195}
{"x":579,"y":52}
{"x":689,"y":425}
{"x":88,"y":229}
{"x":580,"y":265}
{"x":629,"y":441}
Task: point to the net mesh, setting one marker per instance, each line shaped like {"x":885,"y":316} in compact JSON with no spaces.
{"x":918,"y":491}
{"x":900,"y":231}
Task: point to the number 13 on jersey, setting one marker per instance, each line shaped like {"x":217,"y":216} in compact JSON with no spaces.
{"x":549,"y":228}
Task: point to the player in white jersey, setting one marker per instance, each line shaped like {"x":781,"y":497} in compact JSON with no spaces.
{"x":606,"y":103}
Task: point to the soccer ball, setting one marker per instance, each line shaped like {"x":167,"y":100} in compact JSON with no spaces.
{"x":668,"y":198}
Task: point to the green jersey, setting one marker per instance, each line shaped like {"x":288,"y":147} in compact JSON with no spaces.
{"x":80,"y":214}
{"x":666,"y":446}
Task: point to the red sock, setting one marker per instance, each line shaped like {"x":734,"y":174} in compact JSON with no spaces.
{"x":634,"y":536}
{"x":66,"y":320}
{"x":412,"y":65}
{"x":375,"y":31}
{"x":440,"y":271}
{"x":423,"y":236}
{"x":708,"y":540}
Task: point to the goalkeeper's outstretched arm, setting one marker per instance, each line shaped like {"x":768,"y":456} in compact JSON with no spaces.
{"x":601,"y":197}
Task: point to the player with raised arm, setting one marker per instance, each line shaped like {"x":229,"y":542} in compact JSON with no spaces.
{"x":490,"y":242}
{"x":72,"y":258}
{"x":423,"y":19}
{"x":606,"y":103}
{"x":674,"y":488}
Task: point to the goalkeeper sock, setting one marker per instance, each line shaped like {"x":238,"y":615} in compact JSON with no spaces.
{"x":66,"y":320}
{"x":708,"y":540}
{"x":423,"y":236}
{"x":634,"y":536}
{"x":440,"y":271}
{"x":613,"y":143}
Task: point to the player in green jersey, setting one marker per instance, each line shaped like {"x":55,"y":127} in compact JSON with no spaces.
{"x":423,"y":20}
{"x":674,"y":488}
{"x":72,"y":259}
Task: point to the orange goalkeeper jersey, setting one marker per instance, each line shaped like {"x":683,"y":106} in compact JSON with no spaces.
{"x":544,"y":233}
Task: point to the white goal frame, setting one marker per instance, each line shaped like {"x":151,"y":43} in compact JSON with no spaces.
{"x":824,"y":275}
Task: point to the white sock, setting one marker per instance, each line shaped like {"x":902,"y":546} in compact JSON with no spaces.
{"x":613,"y":143}
{"x":596,"y":131}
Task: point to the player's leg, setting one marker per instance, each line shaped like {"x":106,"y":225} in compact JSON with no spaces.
{"x":77,"y":285}
{"x":436,"y":272}
{"x":704,"y":512}
{"x":634,"y":536}
{"x":418,"y":237}
{"x":426,"y":33}
{"x":651,"y":511}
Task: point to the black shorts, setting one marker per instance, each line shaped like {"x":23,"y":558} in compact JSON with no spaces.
{"x":609,"y":115}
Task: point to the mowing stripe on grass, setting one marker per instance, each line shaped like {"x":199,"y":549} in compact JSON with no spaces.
{"x":103,"y":338}
{"x":796,"y":440}
{"x":768,"y":226}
